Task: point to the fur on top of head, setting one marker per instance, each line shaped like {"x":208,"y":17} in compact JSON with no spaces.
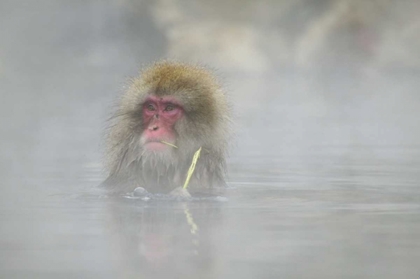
{"x":193,"y":86}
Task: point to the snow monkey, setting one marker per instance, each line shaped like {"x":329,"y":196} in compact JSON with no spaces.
{"x":169,"y":114}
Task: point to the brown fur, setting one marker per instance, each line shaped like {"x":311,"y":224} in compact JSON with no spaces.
{"x":205,"y":124}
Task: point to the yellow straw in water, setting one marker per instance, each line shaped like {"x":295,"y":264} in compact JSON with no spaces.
{"x":192,"y":168}
{"x":193,"y":163}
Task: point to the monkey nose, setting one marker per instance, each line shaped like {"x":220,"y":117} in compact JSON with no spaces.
{"x":153,"y":128}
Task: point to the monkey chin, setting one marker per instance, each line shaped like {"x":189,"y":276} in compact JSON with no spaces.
{"x":156,"y":151}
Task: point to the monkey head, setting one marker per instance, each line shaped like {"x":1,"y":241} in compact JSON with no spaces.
{"x":168,"y":113}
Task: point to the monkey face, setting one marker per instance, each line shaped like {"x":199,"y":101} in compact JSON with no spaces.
{"x":159,"y":117}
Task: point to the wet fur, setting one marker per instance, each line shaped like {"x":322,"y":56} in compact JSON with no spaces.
{"x":205,"y":124}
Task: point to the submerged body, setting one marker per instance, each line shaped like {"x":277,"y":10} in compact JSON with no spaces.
{"x":167,"y":114}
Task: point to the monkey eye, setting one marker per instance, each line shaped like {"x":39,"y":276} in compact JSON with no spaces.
{"x":150,"y":107}
{"x":170,"y":107}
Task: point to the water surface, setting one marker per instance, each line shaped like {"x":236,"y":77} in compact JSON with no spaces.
{"x":321,"y":215}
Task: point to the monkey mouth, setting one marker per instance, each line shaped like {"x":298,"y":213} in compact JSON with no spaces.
{"x":158,"y":145}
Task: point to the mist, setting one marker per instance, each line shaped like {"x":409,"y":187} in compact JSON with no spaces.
{"x":323,"y":167}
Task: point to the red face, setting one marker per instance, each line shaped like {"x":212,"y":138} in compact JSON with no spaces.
{"x":159,"y":116}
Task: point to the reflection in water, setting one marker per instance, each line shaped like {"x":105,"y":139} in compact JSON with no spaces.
{"x":190,"y":220}
{"x":161,"y":238}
